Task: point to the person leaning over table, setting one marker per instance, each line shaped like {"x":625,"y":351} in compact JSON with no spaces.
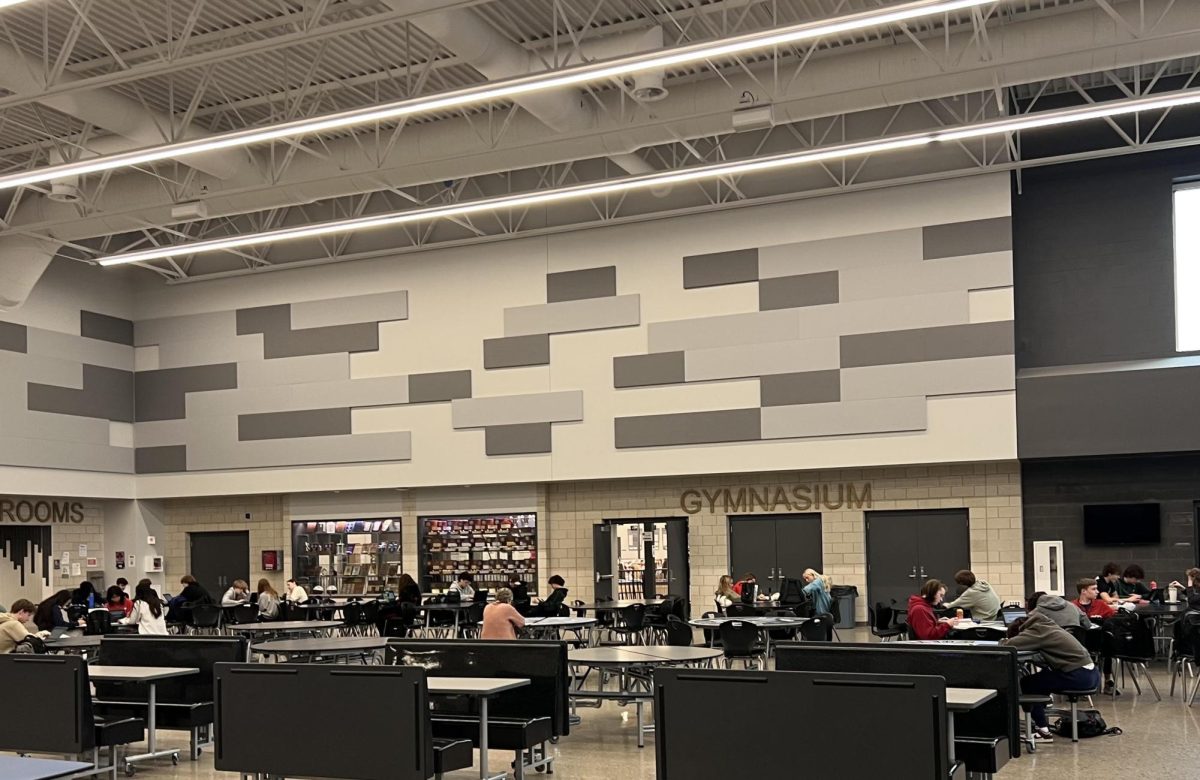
{"x":463,"y":585}
{"x":1130,"y":587}
{"x":1058,"y":609}
{"x":238,"y":594}
{"x":1190,"y":594}
{"x":12,"y":625}
{"x":1067,"y":665}
{"x":86,"y":595}
{"x":816,"y":588}
{"x":148,"y":612}
{"x":268,"y":600}
{"x":725,"y":595}
{"x":501,"y":619}
{"x":1106,"y":583}
{"x":51,"y":614}
{"x":115,"y":600}
{"x":409,"y":591}
{"x":921,"y":620}
{"x":977,"y":596}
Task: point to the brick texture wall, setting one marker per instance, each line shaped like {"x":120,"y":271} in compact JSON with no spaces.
{"x":990,"y":492}
{"x":267,"y":526}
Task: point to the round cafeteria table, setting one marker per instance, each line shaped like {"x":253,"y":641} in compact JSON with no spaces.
{"x":764,"y":624}
{"x":552,"y":627}
{"x":632,"y":666}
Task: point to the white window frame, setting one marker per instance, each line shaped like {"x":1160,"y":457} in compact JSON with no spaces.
{"x":1185,"y":209}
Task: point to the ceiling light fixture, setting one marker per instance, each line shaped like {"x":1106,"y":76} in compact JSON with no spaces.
{"x":7,"y":3}
{"x":698,"y":173}
{"x":504,"y":90}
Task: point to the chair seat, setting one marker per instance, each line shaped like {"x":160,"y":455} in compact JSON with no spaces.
{"x":452,"y":754}
{"x":170,"y":716}
{"x":119,"y":731}
{"x":1076,"y":695}
{"x":1035,"y":698}
{"x":983,"y":755}
{"x":503,"y":733}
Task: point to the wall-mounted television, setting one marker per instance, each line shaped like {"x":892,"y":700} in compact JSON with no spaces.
{"x":1106,"y":525}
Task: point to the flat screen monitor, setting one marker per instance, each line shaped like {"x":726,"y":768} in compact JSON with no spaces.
{"x":1107,"y":525}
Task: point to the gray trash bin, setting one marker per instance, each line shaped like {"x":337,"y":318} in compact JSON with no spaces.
{"x":845,"y":596}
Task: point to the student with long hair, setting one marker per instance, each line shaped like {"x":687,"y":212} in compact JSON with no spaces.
{"x":725,"y":595}
{"x":115,"y":600}
{"x":51,"y":614}
{"x":148,"y":612}
{"x":410,"y":591}
{"x":268,"y":600}
{"x":816,"y":588}
{"x":921,"y":619}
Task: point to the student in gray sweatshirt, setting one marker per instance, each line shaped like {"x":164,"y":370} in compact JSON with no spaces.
{"x":1067,"y":665}
{"x":1058,"y":609}
{"x":977,"y":596}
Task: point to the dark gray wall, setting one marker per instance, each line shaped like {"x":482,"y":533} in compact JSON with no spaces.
{"x":1054,"y":493}
{"x":1093,"y":273}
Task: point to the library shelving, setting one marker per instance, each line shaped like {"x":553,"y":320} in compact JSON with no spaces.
{"x":357,"y":557}
{"x":489,"y":546}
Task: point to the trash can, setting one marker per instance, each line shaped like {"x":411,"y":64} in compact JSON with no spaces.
{"x":845,"y":596}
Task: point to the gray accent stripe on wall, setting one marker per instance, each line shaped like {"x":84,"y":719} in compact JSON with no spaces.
{"x":561,"y":406}
{"x":294,"y":425}
{"x":778,"y":357}
{"x":805,"y":387}
{"x":215,"y":446}
{"x":921,"y":344}
{"x":351,"y":310}
{"x":790,"y":292}
{"x":827,"y":254}
{"x":107,"y":394}
{"x":968,"y":238}
{"x":76,"y":349}
{"x":940,"y":377}
{"x":372,"y":391}
{"x":105,"y":328}
{"x":439,"y":386}
{"x":660,"y":368}
{"x":14,"y":337}
{"x":524,"y":439}
{"x":570,"y":316}
{"x":885,"y":415}
{"x":48,"y":453}
{"x":160,"y":460}
{"x":516,"y":351}
{"x":718,"y":268}
{"x":670,"y":430}
{"x":163,"y":330}
{"x":261,"y":319}
{"x":280,"y":341}
{"x":161,"y":394}
{"x":577,"y":285}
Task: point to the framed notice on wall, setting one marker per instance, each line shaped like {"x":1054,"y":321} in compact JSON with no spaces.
{"x":272,"y":560}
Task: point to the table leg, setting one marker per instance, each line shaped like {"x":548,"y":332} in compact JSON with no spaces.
{"x":950,"y":735}
{"x":152,"y":719}
{"x":640,"y":730}
{"x":483,"y":738}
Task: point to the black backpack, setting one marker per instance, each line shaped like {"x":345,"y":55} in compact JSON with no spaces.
{"x":1091,"y":724}
{"x":31,"y":644}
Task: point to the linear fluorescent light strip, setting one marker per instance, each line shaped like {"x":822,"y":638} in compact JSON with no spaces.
{"x":627,"y":184}
{"x":501,"y":90}
{"x":7,"y":3}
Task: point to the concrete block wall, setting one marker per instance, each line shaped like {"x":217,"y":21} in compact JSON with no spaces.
{"x":267,"y":526}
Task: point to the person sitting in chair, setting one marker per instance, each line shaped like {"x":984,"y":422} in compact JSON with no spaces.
{"x":552,"y":604}
{"x":1067,"y":665}
{"x":922,"y":621}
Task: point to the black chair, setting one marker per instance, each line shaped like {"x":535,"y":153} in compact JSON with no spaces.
{"x":739,"y":642}
{"x":712,"y":636}
{"x":1129,"y":639}
{"x":783,"y":634}
{"x":58,"y":717}
{"x":979,"y":633}
{"x":369,"y":617}
{"x":817,"y":629}
{"x":205,"y":619}
{"x":352,"y":619}
{"x":740,"y":610}
{"x":632,"y":625}
{"x":468,"y":624}
{"x":97,"y":623}
{"x":1185,"y":654}
{"x":678,"y":633}
{"x":883,"y":623}
{"x":656,"y":617}
{"x":243,"y":614}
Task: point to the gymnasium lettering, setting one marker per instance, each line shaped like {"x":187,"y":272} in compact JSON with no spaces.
{"x":24,"y":511}
{"x":796,"y":498}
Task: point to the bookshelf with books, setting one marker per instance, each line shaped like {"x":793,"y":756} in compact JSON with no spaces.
{"x":355,"y":557}
{"x":490,"y":547}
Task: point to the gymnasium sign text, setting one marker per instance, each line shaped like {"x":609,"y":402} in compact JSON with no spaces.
{"x":40,"y":511}
{"x":791,"y":498}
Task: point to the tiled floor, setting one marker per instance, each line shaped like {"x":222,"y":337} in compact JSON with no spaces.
{"x":1161,"y":741}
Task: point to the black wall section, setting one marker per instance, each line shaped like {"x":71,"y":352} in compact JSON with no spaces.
{"x":1055,"y":491}
{"x":27,"y":550}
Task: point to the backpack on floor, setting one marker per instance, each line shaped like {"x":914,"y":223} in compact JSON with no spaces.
{"x":31,"y":644}
{"x":1091,"y":724}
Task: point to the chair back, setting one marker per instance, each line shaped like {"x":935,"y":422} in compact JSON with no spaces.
{"x":633,"y":617}
{"x":738,"y":609}
{"x":1187,"y":636}
{"x":474,"y":614}
{"x":679,"y":634}
{"x":53,"y":704}
{"x":289,"y":611}
{"x":370,"y":613}
{"x":817,"y":629}
{"x":99,"y":622}
{"x":352,"y":615}
{"x":243,"y":613}
{"x":206,"y":616}
{"x":984,"y":633}
{"x":738,"y":638}
{"x":200,"y":652}
{"x":1129,"y":637}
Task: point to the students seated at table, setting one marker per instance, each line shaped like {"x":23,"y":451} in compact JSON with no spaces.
{"x":1130,"y":587}
{"x":1106,"y":583}
{"x":179,"y":608}
{"x":267,"y":601}
{"x":501,"y":619}
{"x":51,"y":614}
{"x":976,"y":595}
{"x":148,"y":613}
{"x":748,"y":579}
{"x":238,"y":593}
{"x":552,"y":605}
{"x":409,"y":591}
{"x":1058,"y":609}
{"x":123,"y":584}
{"x":464,"y":586}
{"x":725,"y":595}
{"x":816,"y":588}
{"x":921,"y":619}
{"x":85,"y":595}
{"x":115,"y":600}
{"x":1191,"y":593}
{"x":295,"y":593}
{"x":1067,"y":666}
{"x":13,"y":625}
{"x":1089,"y":601}
{"x":25,"y":610}
{"x":520,"y":591}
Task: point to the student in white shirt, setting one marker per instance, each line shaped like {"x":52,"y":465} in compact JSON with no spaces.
{"x":295,"y":593}
{"x":463,"y":587}
{"x":148,"y":612}
{"x":238,"y":594}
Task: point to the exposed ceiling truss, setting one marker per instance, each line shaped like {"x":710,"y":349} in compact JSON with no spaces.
{"x":223,"y":64}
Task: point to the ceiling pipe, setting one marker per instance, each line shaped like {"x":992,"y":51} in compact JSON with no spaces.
{"x":832,"y":82}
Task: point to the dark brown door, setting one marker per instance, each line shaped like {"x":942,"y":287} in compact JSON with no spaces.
{"x":219,"y":558}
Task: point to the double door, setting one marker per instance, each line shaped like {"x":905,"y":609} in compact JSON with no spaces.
{"x":907,"y":549}
{"x":220,"y":557}
{"x":774,"y":548}
{"x":641,"y":560}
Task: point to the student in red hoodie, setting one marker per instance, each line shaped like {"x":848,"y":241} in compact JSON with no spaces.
{"x":921,"y":620}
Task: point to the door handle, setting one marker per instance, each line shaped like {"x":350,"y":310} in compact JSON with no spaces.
{"x":913,"y":574}
{"x":779,"y":575}
{"x":924,"y":576}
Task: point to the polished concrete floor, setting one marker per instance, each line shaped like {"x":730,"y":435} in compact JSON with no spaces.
{"x":1161,"y":740}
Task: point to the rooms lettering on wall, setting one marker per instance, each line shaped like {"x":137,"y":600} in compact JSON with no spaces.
{"x":40,"y":511}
